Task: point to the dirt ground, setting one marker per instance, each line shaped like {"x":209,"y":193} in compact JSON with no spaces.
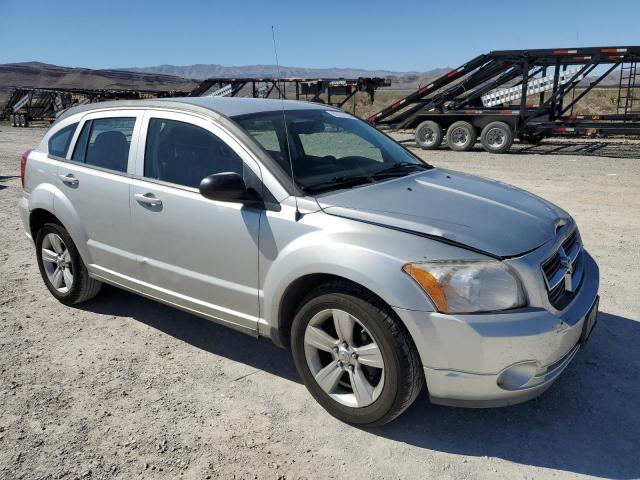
{"x":122,"y":387}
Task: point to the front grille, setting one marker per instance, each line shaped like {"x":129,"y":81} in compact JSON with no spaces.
{"x":563,"y":271}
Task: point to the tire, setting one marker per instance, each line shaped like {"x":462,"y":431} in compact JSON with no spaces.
{"x":461,"y":136}
{"x":21,"y":120}
{"x":496,"y":137}
{"x":82,"y":287}
{"x":389,"y":390}
{"x":25,"y":120}
{"x":12,"y":120}
{"x":428,"y":135}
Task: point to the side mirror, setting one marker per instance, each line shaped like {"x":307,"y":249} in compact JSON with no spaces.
{"x":227,"y":187}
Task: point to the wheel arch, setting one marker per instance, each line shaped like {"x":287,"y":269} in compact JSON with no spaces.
{"x":38,"y":217}
{"x":295,"y":293}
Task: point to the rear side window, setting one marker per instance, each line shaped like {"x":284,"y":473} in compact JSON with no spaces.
{"x":105,"y":143}
{"x":181,"y":153}
{"x":59,"y":142}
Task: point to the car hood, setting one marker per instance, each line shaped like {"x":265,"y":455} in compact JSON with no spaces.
{"x":485,"y":215}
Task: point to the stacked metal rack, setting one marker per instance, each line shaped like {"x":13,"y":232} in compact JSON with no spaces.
{"x":298,"y":88}
{"x":466,"y":103}
{"x":27,"y":104}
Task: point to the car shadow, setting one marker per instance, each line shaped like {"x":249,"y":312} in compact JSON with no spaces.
{"x":589,"y":148}
{"x":4,"y":178}
{"x":587,"y":423}
{"x":199,"y":332}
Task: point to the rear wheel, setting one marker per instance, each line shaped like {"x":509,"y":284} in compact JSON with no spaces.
{"x":496,"y":137}
{"x":354,"y":356}
{"x":428,"y":135}
{"x":61,"y":267}
{"x":461,"y":136}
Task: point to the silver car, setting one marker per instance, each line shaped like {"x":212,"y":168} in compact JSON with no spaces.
{"x":300,"y":223}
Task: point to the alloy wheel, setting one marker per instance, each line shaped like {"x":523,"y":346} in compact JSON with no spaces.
{"x":344,"y":358}
{"x":56,"y":260}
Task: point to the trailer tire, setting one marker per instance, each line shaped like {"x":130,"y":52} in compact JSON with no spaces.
{"x":496,"y":137}
{"x":428,"y":135}
{"x":461,"y":136}
{"x":21,"y":120}
{"x":25,"y":120}
{"x":12,"y":120}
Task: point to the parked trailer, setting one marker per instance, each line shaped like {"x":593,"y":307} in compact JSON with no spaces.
{"x":476,"y":100}
{"x":303,"y":88}
{"x":27,"y":104}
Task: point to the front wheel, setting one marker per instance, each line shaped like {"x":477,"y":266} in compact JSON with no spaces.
{"x":354,"y":356}
{"x":61,"y":266}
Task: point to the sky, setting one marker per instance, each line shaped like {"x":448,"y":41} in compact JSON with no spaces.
{"x":390,"y":35}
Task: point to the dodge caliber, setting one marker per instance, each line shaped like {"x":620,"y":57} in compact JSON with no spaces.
{"x":300,"y":223}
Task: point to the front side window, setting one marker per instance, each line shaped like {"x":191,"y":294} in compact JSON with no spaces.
{"x":59,"y":142}
{"x":105,"y":143}
{"x":328,"y":149}
{"x":182,"y":153}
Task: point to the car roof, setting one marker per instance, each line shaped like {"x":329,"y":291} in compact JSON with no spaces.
{"x":226,"y":106}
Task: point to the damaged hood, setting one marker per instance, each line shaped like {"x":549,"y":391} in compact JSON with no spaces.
{"x":485,"y":215}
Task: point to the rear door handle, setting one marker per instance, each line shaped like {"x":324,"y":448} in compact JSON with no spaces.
{"x":69,"y":179}
{"x":148,"y":199}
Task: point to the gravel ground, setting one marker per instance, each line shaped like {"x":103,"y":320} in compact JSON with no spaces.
{"x":122,"y":387}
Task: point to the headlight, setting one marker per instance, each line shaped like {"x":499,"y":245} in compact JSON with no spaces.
{"x":468,"y":286}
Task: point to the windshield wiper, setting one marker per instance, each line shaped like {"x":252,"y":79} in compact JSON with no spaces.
{"x":341,"y":181}
{"x":399,"y":168}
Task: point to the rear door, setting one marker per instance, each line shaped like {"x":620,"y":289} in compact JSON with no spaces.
{"x":194,"y":252}
{"x":95,"y":182}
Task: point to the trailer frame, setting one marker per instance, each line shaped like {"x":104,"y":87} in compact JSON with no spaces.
{"x":313,"y":87}
{"x":456,"y":95}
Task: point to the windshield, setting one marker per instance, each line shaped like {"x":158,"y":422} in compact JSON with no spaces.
{"x":329,"y":149}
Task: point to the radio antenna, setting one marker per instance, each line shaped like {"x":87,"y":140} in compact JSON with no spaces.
{"x":286,"y":128}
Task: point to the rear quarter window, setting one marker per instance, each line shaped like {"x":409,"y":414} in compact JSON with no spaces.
{"x":59,"y":141}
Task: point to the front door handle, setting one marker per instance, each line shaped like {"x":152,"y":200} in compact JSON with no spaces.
{"x":148,"y":199}
{"x":69,"y":179}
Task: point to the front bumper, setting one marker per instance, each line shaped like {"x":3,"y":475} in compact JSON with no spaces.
{"x":497,"y":359}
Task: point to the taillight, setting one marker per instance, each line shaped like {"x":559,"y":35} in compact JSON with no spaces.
{"x":23,"y":165}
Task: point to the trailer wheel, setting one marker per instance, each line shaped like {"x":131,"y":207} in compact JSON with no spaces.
{"x":461,"y":136}
{"x":496,"y":137}
{"x":428,"y":135}
{"x":21,"y":120}
{"x":12,"y":120}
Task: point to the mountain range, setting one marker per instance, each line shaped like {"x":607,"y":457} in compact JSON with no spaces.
{"x":181,"y":78}
{"x":202,"y":71}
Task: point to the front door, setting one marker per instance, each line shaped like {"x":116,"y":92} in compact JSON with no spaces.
{"x":197,"y":253}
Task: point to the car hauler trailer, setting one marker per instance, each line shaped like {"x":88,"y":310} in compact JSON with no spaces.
{"x":299,"y":88}
{"x":27,"y":104}
{"x":486,"y":99}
